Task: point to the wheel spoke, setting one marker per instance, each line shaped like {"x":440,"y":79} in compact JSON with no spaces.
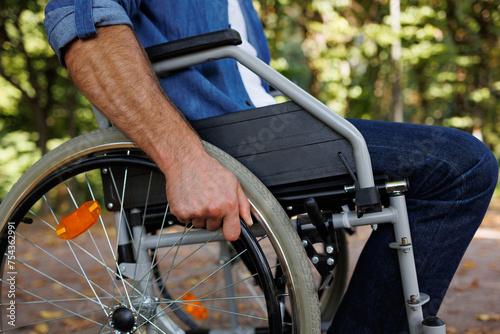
{"x":61,"y":262}
{"x":120,"y":224}
{"x":110,"y":273}
{"x":51,"y":302}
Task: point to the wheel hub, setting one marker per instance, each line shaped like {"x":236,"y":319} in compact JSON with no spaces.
{"x":123,"y":320}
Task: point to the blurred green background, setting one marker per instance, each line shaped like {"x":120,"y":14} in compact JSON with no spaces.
{"x":436,"y":62}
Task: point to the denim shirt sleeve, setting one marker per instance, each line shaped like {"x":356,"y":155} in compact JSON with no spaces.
{"x":66,"y":20}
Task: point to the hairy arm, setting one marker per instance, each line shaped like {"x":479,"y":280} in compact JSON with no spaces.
{"x":112,"y":71}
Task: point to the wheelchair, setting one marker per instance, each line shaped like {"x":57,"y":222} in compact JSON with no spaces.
{"x":306,"y":172}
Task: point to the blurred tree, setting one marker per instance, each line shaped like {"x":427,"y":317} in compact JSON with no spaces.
{"x":38,"y":102}
{"x":339,"y":50}
{"x":450,"y":72}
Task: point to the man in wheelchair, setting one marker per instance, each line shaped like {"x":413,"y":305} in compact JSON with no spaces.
{"x":452,"y":175}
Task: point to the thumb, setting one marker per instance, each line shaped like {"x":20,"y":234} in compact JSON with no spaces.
{"x":244,"y":207}
{"x":231,"y":227}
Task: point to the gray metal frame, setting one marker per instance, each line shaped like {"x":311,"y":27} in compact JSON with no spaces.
{"x":396,"y":213}
{"x":297,"y":94}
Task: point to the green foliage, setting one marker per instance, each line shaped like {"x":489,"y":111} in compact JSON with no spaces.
{"x":38,"y":102}
{"x":449,"y":69}
{"x":338,"y":50}
{"x":17,"y":153}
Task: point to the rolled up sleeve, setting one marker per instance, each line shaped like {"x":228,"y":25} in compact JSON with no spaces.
{"x":64,"y":21}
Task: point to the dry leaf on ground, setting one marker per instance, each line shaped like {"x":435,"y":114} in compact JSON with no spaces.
{"x":488,"y":317}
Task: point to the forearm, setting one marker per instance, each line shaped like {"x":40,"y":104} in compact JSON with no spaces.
{"x":112,"y":71}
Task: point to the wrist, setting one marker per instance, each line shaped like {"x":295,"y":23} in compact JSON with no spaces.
{"x":174,"y":150}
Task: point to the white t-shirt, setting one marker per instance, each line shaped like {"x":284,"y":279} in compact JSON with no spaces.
{"x":259,"y":96}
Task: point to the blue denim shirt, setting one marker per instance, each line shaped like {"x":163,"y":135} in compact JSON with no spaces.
{"x":201,"y":91}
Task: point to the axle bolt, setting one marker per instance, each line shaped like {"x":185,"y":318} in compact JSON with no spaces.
{"x":123,"y":320}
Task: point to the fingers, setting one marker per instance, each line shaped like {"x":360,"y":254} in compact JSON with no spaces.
{"x":208,"y":196}
{"x":230,"y":223}
{"x":198,"y":223}
{"x":213,"y":224}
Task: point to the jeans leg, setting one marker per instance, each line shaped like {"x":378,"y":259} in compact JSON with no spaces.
{"x":452,"y":177}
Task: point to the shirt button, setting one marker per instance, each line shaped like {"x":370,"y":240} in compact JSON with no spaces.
{"x":249,"y":102}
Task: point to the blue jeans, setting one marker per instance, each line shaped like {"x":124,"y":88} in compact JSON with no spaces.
{"x":452,"y":178}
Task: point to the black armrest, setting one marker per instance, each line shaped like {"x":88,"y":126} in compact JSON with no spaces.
{"x":192,"y":44}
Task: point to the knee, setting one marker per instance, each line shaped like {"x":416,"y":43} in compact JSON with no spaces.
{"x":475,"y":161}
{"x":454,"y":165}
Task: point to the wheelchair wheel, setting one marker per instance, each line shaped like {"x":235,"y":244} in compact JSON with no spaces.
{"x":331,"y":298}
{"x":192,"y":280}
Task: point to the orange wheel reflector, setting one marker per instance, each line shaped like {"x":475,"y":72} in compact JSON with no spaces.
{"x":79,"y":220}
{"x":194,"y":307}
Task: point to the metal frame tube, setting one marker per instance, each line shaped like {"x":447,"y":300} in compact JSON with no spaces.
{"x":403,"y":244}
{"x":350,"y":219}
{"x":396,"y":214}
{"x":297,"y":94}
{"x":193,"y":237}
{"x":178,"y":239}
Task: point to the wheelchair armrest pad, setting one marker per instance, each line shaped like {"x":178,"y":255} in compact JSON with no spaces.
{"x":193,"y":44}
